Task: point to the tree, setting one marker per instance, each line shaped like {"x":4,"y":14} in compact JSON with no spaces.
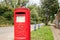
{"x":6,"y":9}
{"x":49,"y":7}
{"x":15,"y":3}
{"x":36,"y":15}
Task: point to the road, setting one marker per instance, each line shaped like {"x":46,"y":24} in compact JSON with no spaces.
{"x":7,"y":33}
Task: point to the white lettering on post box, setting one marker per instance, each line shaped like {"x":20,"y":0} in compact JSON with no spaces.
{"x":20,"y":19}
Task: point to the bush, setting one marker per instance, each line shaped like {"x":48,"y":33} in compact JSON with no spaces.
{"x":8,"y":15}
{"x":6,"y":19}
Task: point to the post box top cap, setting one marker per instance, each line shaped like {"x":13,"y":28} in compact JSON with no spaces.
{"x":21,"y":9}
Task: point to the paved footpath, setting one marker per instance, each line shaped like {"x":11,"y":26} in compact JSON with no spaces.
{"x":56,"y":33}
{"x":7,"y":33}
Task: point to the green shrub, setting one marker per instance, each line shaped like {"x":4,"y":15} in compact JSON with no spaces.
{"x":8,"y":15}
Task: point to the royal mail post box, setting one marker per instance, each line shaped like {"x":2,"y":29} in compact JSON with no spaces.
{"x":21,"y":24}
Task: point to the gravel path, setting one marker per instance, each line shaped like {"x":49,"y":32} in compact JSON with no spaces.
{"x":56,"y":33}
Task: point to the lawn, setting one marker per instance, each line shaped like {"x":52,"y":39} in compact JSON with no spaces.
{"x":44,"y":33}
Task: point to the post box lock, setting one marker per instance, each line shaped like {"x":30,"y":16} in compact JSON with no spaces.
{"x":21,"y":26}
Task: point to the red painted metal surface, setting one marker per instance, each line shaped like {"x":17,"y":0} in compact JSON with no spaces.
{"x":22,"y":29}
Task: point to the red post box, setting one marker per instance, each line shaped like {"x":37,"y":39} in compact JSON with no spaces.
{"x":21,"y":24}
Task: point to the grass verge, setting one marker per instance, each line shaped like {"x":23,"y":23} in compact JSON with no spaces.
{"x":44,"y":33}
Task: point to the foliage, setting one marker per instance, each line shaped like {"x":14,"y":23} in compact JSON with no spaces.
{"x":49,"y":8}
{"x":7,"y":8}
{"x":6,"y":16}
{"x":36,"y":16}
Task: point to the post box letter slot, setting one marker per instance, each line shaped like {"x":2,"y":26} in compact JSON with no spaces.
{"x":20,"y":17}
{"x":20,"y":12}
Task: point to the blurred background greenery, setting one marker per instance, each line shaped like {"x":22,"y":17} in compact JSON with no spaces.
{"x":42,"y":13}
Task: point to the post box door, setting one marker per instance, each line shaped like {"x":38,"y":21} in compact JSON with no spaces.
{"x":20,"y":23}
{"x":21,"y":27}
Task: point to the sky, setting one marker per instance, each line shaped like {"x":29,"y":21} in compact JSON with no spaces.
{"x":59,"y":1}
{"x":37,"y":2}
{"x":0,"y":0}
{"x":34,"y":2}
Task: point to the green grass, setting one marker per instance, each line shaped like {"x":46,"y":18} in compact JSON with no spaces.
{"x":44,"y":33}
{"x":6,"y":24}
